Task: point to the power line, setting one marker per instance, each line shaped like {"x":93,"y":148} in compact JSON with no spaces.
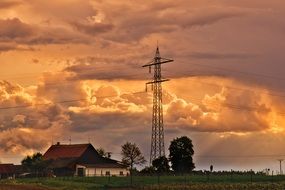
{"x":237,"y":71}
{"x":102,"y":67}
{"x":98,"y":68}
{"x":268,"y":92}
{"x":65,"y":101}
{"x":130,"y":75}
{"x":231,"y":106}
{"x":243,"y":89}
{"x":239,"y":156}
{"x":192,"y":99}
{"x":95,"y":68}
{"x":272,"y":93}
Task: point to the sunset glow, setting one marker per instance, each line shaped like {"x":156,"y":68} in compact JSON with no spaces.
{"x":73,"y":68}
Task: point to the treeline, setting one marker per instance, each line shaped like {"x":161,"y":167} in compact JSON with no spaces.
{"x":149,"y":171}
{"x":180,"y":159}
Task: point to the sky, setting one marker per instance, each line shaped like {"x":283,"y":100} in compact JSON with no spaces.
{"x":78,"y":64}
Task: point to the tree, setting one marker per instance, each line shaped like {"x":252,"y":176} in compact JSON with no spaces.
{"x":181,"y":152}
{"x":148,"y":170}
{"x":131,"y":155}
{"x":211,"y":168}
{"x":103,"y":153}
{"x":161,"y":164}
{"x":35,"y":163}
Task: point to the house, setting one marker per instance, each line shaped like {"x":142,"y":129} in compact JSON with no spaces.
{"x":81,"y":160}
{"x":9,"y":171}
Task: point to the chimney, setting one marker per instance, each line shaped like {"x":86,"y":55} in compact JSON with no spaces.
{"x":58,"y":143}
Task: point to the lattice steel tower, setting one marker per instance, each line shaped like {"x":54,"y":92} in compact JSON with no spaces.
{"x":157,"y":136}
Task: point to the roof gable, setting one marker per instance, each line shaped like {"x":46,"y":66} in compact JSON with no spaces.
{"x":84,"y":154}
{"x":66,"y":151}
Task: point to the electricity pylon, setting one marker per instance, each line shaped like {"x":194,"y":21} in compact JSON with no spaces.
{"x":157,"y":135}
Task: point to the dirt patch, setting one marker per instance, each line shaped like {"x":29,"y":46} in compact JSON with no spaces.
{"x":21,"y":187}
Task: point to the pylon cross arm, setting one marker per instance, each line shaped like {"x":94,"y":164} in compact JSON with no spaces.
{"x":158,"y":63}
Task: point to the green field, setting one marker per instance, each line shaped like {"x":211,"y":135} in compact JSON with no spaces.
{"x":191,"y":182}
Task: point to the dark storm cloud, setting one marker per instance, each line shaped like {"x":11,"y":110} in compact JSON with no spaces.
{"x":11,"y":29}
{"x":213,"y":55}
{"x":4,"y":47}
{"x":58,"y":36}
{"x":89,"y":72}
{"x":14,"y":30}
{"x":146,"y":22}
{"x":74,"y":27}
{"x":92,"y":29}
{"x":64,"y":11}
{"x":4,"y":4}
{"x":108,"y":68}
{"x":203,"y":16}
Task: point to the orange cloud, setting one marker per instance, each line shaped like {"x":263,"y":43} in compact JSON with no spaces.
{"x":226,"y":82}
{"x":108,"y":107}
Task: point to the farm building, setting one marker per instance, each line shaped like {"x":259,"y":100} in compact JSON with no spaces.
{"x":9,"y":170}
{"x":81,"y":160}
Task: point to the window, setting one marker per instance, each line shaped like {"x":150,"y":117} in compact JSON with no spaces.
{"x":108,"y":173}
{"x":121,"y":173}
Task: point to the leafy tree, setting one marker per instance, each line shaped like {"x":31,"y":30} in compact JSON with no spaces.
{"x":181,"y":152}
{"x":131,"y":155}
{"x":148,"y":170}
{"x":161,"y":164}
{"x":211,"y":168}
{"x":103,"y":153}
{"x":35,"y":163}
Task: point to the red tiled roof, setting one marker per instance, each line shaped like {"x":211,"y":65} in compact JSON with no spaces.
{"x":62,"y":163}
{"x":7,"y":168}
{"x":65,"y":151}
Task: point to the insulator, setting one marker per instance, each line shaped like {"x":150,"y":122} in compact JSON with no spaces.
{"x":145,"y":87}
{"x":152,"y":87}
{"x":149,"y":69}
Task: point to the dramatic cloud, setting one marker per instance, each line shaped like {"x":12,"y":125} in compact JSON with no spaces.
{"x":78,"y":64}
{"x":4,"y":4}
{"x":92,"y":28}
{"x":166,"y":20}
{"x":30,"y":121}
{"x":104,"y":107}
{"x":13,"y":28}
{"x":92,"y":67}
{"x":216,"y":113}
{"x":212,"y":55}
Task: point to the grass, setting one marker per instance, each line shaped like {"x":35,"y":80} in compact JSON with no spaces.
{"x":191,"y":182}
{"x":21,"y":187}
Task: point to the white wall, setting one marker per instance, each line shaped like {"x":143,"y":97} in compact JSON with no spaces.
{"x":103,"y":171}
